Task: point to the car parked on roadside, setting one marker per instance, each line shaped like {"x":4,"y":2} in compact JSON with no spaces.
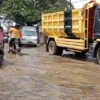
{"x":29,"y":36}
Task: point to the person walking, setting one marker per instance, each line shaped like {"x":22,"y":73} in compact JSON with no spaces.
{"x":2,"y":35}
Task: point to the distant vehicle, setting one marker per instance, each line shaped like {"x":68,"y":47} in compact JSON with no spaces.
{"x":6,"y":23}
{"x":29,"y":36}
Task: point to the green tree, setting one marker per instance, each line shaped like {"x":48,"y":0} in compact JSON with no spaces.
{"x":29,"y":11}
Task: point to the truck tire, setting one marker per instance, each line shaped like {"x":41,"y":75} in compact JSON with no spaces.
{"x":53,"y":49}
{"x":98,"y":55}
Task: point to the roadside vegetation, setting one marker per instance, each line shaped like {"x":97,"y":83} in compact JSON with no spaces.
{"x":29,"y":11}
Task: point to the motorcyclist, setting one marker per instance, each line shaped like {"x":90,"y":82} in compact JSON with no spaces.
{"x":2,"y":35}
{"x":16,"y":34}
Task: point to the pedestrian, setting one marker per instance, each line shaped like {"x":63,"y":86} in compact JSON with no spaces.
{"x":2,"y":35}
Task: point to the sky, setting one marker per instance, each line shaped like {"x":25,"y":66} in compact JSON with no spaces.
{"x":79,"y":3}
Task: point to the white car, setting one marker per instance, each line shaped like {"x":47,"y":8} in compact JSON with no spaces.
{"x":29,"y":36}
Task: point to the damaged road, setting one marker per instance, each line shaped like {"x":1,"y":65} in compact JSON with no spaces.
{"x":36,"y":75}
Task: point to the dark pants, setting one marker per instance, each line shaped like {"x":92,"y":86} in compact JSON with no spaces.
{"x":12,"y":42}
{"x":2,"y":49}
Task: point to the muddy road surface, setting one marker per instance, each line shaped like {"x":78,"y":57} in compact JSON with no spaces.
{"x":38,"y":76}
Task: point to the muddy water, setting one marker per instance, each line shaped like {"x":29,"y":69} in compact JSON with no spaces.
{"x":38,"y":76}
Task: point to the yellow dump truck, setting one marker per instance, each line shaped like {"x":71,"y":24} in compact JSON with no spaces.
{"x":77,"y":30}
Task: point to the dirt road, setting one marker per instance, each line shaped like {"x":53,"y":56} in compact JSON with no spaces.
{"x":38,"y":76}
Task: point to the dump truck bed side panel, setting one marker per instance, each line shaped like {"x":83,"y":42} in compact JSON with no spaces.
{"x":53,"y":24}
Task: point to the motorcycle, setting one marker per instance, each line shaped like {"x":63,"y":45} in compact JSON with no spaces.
{"x":15,"y":47}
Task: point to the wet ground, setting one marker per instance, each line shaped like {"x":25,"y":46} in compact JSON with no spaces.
{"x":38,"y":76}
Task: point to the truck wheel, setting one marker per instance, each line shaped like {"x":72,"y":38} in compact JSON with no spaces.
{"x":98,"y":55}
{"x":52,"y":48}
